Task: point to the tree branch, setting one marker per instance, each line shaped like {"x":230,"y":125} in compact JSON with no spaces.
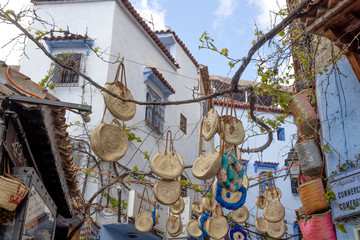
{"x":273,"y":32}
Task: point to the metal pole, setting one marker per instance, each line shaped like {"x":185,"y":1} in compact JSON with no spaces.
{"x":119,"y":204}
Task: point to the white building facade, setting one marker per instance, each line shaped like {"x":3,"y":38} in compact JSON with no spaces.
{"x":158,"y":66}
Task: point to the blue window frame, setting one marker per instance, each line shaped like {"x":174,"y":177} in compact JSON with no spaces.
{"x":280,"y":134}
{"x":154,"y":114}
{"x":64,"y":76}
{"x":265,"y":182}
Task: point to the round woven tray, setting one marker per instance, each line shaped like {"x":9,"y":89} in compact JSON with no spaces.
{"x":276,"y":230}
{"x":167,"y":192}
{"x":144,"y":222}
{"x":261,"y":224}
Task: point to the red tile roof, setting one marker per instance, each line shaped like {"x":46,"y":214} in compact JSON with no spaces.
{"x":257,"y":107}
{"x":181,"y":44}
{"x":274,"y":163}
{"x":162,"y":79}
{"x":151,"y":33}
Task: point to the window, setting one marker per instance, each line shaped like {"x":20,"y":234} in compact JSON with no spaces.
{"x":154,"y":115}
{"x":265,"y":182}
{"x":183,"y":188}
{"x":183,"y":123}
{"x":66,"y":77}
{"x":294,"y":186}
{"x":280,"y":134}
{"x":357,"y":232}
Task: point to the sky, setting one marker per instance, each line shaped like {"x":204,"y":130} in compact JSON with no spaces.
{"x":230,"y":23}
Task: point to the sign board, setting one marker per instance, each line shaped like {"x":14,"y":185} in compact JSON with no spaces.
{"x":346,"y":187}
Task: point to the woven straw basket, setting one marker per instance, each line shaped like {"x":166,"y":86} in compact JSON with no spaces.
{"x":312,"y":196}
{"x":144,"y":222}
{"x":274,"y":212}
{"x":276,"y":230}
{"x":109,"y":142}
{"x":167,"y":192}
{"x":240,"y":215}
{"x":261,"y":224}
{"x":193,"y":228}
{"x":210,"y":124}
{"x":12,"y":192}
{"x":218,"y":227}
{"x":272,"y":194}
{"x":319,"y":226}
{"x":118,"y":108}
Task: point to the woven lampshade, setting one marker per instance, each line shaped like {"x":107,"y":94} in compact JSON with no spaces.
{"x":109,"y":142}
{"x":274,"y":212}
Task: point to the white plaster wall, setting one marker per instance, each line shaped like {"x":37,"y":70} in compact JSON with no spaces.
{"x":276,"y":152}
{"x":117,"y":31}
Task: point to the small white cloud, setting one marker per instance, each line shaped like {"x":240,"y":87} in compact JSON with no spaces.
{"x":225,"y":10}
{"x":152,"y":12}
{"x":265,"y":6}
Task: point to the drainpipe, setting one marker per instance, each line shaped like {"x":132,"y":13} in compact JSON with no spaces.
{"x":119,"y":203}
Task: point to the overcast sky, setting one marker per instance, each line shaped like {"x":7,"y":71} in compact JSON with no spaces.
{"x":229,"y":22}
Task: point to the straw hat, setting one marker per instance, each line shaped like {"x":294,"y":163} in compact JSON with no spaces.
{"x":193,"y":228}
{"x":168,"y":165}
{"x":210,"y":124}
{"x":174,"y":226}
{"x":118,"y":108}
{"x":240,"y":215}
{"x":274,"y":212}
{"x":144,"y":222}
{"x":261,"y":224}
{"x":261,"y":202}
{"x":272,"y":194}
{"x":109,"y":142}
{"x":208,"y":204}
{"x":197,"y":207}
{"x":276,"y":230}
{"x":232,"y":130}
{"x":218,"y":227}
{"x":206,"y":166}
{"x":178,"y":207}
{"x":167,"y":192}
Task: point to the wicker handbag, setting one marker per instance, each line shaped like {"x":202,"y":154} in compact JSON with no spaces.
{"x":12,"y":190}
{"x":144,"y":221}
{"x":118,"y":108}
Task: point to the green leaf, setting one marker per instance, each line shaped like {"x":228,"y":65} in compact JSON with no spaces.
{"x":326,"y":148}
{"x":341,"y":227}
{"x":298,"y":119}
{"x":282,"y":33}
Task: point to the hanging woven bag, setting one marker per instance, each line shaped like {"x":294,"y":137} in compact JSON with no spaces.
{"x":167,"y":192}
{"x":211,"y":123}
{"x":109,"y":142}
{"x":230,"y":126}
{"x":144,"y":221}
{"x":167,"y":165}
{"x":208,"y":165}
{"x":122,"y":110}
{"x":276,"y":230}
{"x":12,"y":189}
{"x":318,"y":226}
{"x":227,"y":199}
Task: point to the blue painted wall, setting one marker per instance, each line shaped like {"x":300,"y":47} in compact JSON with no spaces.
{"x":338,"y":96}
